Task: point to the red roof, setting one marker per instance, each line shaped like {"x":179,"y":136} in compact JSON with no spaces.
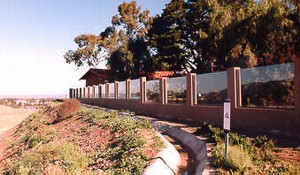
{"x":99,"y":73}
{"x":160,"y":74}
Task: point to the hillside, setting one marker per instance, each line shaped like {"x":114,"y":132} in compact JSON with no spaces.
{"x":69,"y":139}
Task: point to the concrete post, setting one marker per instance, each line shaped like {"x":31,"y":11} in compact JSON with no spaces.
{"x":191,"y":89}
{"x":234,"y":87}
{"x":94,"y":91}
{"x":76,"y":93}
{"x":107,"y":90}
{"x":80,"y":92}
{"x":116,"y":89}
{"x":143,"y":89}
{"x":163,"y":91}
{"x":70,"y":93}
{"x":99,"y":91}
{"x":128,"y":89}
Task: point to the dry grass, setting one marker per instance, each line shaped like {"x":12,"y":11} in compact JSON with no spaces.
{"x":67,"y":108}
{"x":10,"y":117}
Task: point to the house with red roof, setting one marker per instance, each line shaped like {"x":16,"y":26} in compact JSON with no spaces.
{"x":96,"y":76}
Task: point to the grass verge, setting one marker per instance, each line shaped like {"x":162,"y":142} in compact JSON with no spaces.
{"x":245,"y":155}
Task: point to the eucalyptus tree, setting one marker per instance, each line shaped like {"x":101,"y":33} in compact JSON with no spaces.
{"x":132,"y":47}
{"x":123,"y":45}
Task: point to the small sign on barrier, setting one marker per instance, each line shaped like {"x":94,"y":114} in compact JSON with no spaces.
{"x":226,"y":115}
{"x":226,"y":124}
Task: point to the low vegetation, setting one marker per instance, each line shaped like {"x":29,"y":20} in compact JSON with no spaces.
{"x":64,"y":138}
{"x":246,"y":155}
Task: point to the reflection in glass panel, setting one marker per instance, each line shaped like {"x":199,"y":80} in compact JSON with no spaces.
{"x":268,"y":86}
{"x":212,"y":88}
{"x":111,"y":90}
{"x":177,"y":90}
{"x":152,"y":90}
{"x":135,"y":89}
{"x":103,"y":91}
{"x":122,"y":90}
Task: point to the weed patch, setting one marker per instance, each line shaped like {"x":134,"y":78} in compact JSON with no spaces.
{"x":65,"y":155}
{"x":245,"y":155}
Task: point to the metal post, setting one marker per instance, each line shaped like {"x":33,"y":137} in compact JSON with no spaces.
{"x":226,"y":143}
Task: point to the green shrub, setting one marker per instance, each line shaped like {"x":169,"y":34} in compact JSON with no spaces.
{"x":32,"y":122}
{"x":127,"y":123}
{"x":214,"y":134}
{"x":96,"y":116}
{"x":158,"y":143}
{"x":64,"y":154}
{"x":264,"y":143}
{"x":238,"y":160}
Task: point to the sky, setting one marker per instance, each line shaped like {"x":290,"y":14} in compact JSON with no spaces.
{"x":35,"y":34}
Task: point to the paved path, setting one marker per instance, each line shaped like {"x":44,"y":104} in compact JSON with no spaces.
{"x":10,"y":117}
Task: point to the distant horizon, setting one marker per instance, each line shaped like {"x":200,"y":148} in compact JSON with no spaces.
{"x":38,"y":96}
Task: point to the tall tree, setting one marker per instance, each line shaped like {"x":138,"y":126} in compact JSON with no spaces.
{"x":134,"y":25}
{"x":166,"y":38}
{"x":123,"y":45}
{"x":211,"y":35}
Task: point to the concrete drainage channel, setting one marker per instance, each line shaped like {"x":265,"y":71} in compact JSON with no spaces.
{"x":168,"y":160}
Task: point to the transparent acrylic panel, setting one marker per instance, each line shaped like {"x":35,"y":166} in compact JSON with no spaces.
{"x":122,"y":89}
{"x":91,"y":92}
{"x":111,"y":90}
{"x":269,"y":86}
{"x":86,"y":92}
{"x":103,"y":91}
{"x":152,"y":91}
{"x":212,"y":88}
{"x":96,"y":92}
{"x":177,"y":90}
{"x":135,"y":89}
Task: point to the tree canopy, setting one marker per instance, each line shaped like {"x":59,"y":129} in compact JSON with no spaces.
{"x":194,"y":35}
